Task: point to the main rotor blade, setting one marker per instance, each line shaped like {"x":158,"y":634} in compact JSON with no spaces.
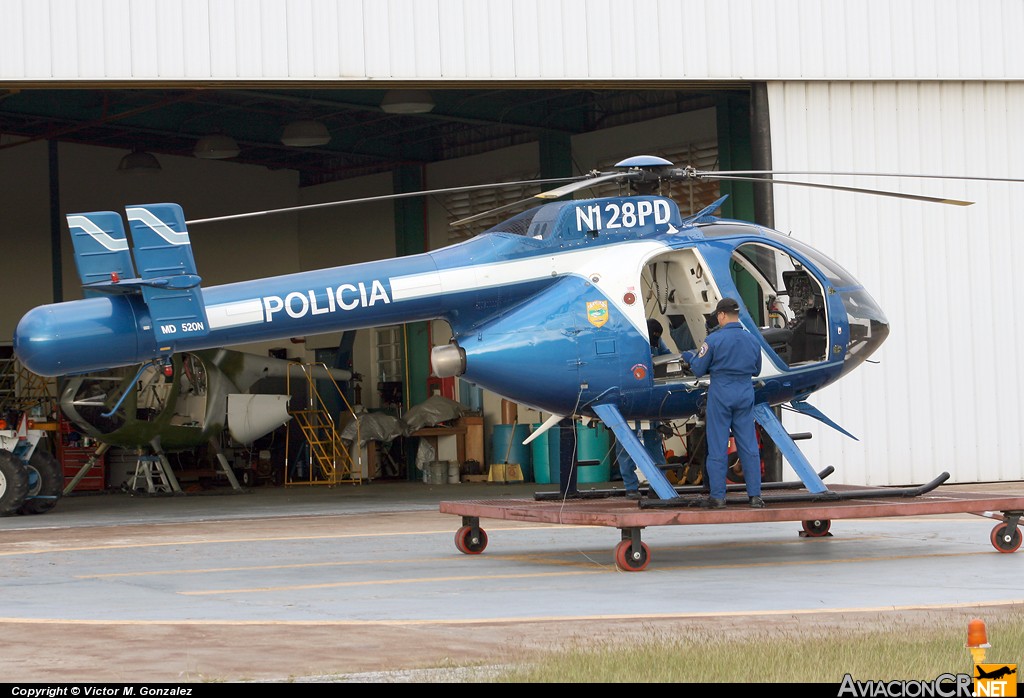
{"x":590,"y":180}
{"x":584,"y":183}
{"x":858,"y":174}
{"x":877,"y":192}
{"x":382,"y":197}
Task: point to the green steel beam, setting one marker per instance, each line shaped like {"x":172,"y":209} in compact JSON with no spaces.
{"x":555,"y":155}
{"x":735,"y":153}
{"x":411,"y":238}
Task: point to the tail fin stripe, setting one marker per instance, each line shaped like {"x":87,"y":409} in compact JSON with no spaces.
{"x":98,"y":234}
{"x":145,"y":217}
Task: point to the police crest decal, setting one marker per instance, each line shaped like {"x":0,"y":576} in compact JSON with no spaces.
{"x":597,"y":312}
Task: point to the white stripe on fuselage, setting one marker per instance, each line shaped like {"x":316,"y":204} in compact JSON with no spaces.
{"x":247,"y":312}
{"x":616,"y":272}
{"x":616,"y":269}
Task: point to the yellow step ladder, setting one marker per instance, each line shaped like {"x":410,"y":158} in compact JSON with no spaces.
{"x":330,"y":461}
{"x":328,"y":456}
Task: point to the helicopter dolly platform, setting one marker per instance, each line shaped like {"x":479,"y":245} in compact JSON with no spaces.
{"x":785,"y":502}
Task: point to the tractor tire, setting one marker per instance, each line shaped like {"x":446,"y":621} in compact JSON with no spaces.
{"x":13,"y":483}
{"x":48,"y":484}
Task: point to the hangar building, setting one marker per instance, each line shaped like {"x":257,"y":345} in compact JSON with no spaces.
{"x":444,"y":93}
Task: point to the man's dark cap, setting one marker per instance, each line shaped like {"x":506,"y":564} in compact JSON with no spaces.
{"x":727,"y":305}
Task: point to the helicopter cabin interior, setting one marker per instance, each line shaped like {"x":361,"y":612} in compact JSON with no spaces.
{"x":148,"y":398}
{"x":785,"y":301}
{"x":155,"y":391}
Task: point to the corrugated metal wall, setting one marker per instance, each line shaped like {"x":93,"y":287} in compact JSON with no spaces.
{"x":946,"y":395}
{"x":502,"y":39}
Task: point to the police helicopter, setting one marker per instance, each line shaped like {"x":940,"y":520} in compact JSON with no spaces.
{"x":546,"y":308}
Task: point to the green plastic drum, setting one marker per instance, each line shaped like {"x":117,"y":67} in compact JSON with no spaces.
{"x":594,"y":453}
{"x":540,"y":453}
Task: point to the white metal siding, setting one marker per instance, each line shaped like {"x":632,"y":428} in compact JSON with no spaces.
{"x":511,"y":39}
{"x":947,"y":393}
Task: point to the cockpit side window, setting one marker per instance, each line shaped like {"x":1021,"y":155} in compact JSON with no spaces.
{"x":786,"y":301}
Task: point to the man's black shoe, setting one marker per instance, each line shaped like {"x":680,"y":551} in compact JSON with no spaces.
{"x":632,"y":494}
{"x":712,"y":503}
{"x":756,"y":503}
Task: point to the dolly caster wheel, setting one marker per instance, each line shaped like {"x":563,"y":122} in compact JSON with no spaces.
{"x":1004,"y":539}
{"x":817,"y":528}
{"x":469,"y":544}
{"x":629,"y":560}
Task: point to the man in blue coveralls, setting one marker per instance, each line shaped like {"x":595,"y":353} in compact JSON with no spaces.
{"x":627,"y":468}
{"x":732,"y":356}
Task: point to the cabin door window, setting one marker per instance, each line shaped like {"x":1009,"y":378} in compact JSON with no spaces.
{"x":786,"y":301}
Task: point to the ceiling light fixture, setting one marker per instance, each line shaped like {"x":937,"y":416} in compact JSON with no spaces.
{"x":139,"y":162}
{"x":407,"y":102}
{"x":216,"y":147}
{"x":305,"y":133}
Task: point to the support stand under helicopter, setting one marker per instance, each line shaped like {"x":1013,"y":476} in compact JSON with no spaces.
{"x":808,"y":501}
{"x":786,"y":502}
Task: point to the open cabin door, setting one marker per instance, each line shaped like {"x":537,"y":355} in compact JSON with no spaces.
{"x":785,"y":299}
{"x":680,"y":293}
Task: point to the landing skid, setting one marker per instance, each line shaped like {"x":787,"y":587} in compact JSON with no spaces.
{"x":681,"y":490}
{"x":826,"y":496}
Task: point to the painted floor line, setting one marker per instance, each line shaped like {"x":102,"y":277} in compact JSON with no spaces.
{"x":601,"y":568}
{"x":264,"y":539}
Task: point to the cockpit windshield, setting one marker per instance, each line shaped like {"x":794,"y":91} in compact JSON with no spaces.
{"x":785,"y":300}
{"x":835,"y":274}
{"x":868,"y":324}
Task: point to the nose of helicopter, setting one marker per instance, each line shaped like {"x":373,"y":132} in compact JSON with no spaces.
{"x":868,"y":326}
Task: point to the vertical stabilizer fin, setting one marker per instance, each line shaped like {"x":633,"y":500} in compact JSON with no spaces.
{"x":101,"y":248}
{"x":170,"y":284}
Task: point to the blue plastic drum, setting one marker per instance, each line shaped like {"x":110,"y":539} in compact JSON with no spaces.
{"x":504,"y":452}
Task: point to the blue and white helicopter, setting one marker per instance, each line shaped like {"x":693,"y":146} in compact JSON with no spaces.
{"x":546,"y":309}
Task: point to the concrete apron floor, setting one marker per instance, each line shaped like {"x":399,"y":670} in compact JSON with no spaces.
{"x":288,"y":583}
